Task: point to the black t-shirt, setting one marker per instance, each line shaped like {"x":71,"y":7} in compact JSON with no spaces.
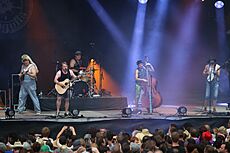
{"x":64,"y":76}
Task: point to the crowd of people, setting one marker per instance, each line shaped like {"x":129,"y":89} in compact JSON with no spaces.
{"x":185,"y":139}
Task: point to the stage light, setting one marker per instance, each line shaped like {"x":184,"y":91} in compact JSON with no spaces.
{"x":182,"y":110}
{"x":9,"y":113}
{"x":143,"y":1}
{"x":126,"y":112}
{"x":219,"y":4}
{"x":75,"y":112}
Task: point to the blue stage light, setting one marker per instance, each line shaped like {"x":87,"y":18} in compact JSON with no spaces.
{"x":143,"y":1}
{"x":126,"y":112}
{"x":9,"y":113}
{"x":219,"y":4}
{"x":182,"y":111}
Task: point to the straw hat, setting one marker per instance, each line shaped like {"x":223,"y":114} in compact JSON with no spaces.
{"x":144,"y":132}
{"x":17,"y":144}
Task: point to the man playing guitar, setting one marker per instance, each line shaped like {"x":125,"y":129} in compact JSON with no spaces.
{"x":60,"y":77}
{"x":212,"y":72}
{"x":28,"y":77}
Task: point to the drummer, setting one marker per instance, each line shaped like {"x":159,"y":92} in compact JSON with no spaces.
{"x":77,"y":64}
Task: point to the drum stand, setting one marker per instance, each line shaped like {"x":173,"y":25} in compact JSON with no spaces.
{"x":92,"y":84}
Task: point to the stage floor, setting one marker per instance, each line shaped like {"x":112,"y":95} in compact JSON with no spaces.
{"x":112,"y":120}
{"x":168,"y":112}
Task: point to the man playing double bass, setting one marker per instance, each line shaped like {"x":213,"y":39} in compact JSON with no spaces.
{"x":141,"y":84}
{"x":146,"y":94}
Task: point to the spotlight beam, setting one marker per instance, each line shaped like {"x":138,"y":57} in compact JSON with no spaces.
{"x":109,"y":24}
{"x":182,"y":49}
{"x":135,"y":50}
{"x":221,"y":34}
{"x":155,"y":35}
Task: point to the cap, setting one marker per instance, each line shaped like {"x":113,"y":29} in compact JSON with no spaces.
{"x":212,"y":61}
{"x":78,"y":52}
{"x":45,"y":148}
{"x":87,"y":136}
{"x":27,"y":146}
{"x":139,"y":62}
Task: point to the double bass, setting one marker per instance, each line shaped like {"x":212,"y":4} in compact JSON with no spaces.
{"x":151,"y":98}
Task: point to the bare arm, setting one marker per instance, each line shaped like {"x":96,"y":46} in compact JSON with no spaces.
{"x":73,"y":76}
{"x":71,"y":65}
{"x":62,"y":130}
{"x":218,"y":71}
{"x":72,"y":130}
{"x":206,"y":71}
{"x":57,"y":76}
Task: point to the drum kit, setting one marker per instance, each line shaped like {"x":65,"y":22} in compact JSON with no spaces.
{"x":85,"y":86}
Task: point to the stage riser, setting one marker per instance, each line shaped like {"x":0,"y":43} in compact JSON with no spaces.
{"x":101,"y":103}
{"x":116,"y":125}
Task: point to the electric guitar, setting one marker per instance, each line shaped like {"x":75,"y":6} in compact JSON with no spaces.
{"x":24,"y":72}
{"x":67,"y":84}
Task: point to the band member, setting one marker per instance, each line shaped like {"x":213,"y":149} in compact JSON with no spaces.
{"x":60,"y":76}
{"x":76,"y":64}
{"x":28,"y":76}
{"x":212,"y":72}
{"x":141,"y":83}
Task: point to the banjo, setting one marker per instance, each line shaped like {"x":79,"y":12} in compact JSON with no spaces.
{"x":213,"y":73}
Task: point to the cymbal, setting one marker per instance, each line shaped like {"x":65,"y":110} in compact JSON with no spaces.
{"x":82,"y":68}
{"x":92,"y":70}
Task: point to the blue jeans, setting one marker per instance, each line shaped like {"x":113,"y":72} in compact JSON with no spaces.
{"x":212,"y":88}
{"x":139,"y":94}
{"x":28,"y":87}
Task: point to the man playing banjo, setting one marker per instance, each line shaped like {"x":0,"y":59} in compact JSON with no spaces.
{"x":212,"y":72}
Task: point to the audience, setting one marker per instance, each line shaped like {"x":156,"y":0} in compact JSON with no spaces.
{"x":185,"y":139}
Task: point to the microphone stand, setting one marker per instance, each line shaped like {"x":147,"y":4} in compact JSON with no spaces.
{"x":149,"y":77}
{"x":52,"y":91}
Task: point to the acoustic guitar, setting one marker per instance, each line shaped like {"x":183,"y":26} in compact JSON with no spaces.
{"x":67,"y":84}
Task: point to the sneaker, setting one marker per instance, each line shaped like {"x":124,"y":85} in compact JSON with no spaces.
{"x":67,"y":114}
{"x":38,"y":113}
{"x":57,"y":114}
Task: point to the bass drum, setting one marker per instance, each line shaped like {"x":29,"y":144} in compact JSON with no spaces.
{"x":80,"y":89}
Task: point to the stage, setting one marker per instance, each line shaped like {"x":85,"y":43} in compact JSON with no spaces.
{"x":162,"y":117}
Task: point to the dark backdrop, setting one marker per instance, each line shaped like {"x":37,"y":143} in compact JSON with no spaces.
{"x":54,"y":29}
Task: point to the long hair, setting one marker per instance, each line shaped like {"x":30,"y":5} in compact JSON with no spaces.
{"x":27,"y":57}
